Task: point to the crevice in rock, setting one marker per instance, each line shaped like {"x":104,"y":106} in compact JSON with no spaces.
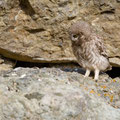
{"x":35,"y":30}
{"x":67,"y":67}
{"x":64,"y":3}
{"x":34,"y":95}
{"x":118,"y":1}
{"x":26,"y":7}
{"x":115,"y":72}
{"x":108,"y":11}
{"x":30,"y":64}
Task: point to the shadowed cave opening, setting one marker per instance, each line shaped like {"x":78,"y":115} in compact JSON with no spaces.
{"x":67,"y":67}
{"x":115,"y":72}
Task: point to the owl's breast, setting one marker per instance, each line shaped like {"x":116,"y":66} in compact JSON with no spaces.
{"x":78,"y":52}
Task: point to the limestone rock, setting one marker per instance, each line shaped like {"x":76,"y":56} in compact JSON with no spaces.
{"x":51,"y":94}
{"x":115,"y":61}
{"x":36,"y":30}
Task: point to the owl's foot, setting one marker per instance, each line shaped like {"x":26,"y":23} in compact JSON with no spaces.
{"x":96,"y":76}
{"x":87,"y":73}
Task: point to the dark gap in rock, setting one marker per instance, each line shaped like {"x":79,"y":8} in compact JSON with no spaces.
{"x":115,"y":72}
{"x":36,"y":30}
{"x":34,"y":95}
{"x":26,"y":7}
{"x":108,"y":11}
{"x":30,"y":64}
{"x":71,"y":17}
{"x":67,"y":67}
{"x":118,"y":1}
{"x":62,"y":4}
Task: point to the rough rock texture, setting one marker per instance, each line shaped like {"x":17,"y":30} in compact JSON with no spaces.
{"x":6,"y":64}
{"x":52,"y":94}
{"x":36,"y":30}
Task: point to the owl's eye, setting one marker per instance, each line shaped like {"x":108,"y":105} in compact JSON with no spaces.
{"x":75,"y":36}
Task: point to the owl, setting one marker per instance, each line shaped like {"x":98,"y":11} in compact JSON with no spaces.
{"x":88,"y":48}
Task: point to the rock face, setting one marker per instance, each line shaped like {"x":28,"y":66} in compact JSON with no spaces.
{"x":36,"y":30}
{"x":6,"y":64}
{"x":51,"y":94}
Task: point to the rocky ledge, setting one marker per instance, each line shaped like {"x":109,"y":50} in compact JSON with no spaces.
{"x":37,"y":30}
{"x":53,"y":94}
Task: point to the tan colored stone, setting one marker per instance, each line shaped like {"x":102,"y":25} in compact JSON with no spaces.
{"x":6,"y":64}
{"x":115,"y":61}
{"x":37,"y":30}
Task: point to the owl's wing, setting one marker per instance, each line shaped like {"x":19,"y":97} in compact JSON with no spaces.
{"x":101,"y":49}
{"x":100,"y":46}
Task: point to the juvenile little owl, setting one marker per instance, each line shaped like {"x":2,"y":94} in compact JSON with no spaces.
{"x":88,"y":48}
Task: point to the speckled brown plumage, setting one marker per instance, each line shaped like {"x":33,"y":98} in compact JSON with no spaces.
{"x":88,"y":48}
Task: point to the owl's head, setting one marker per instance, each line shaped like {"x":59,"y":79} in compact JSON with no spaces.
{"x":79,"y":31}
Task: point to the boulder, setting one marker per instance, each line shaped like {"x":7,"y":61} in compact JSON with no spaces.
{"x":37,"y":31}
{"x":52,"y":94}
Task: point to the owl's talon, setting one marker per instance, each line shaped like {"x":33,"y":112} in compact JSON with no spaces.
{"x":96,"y":80}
